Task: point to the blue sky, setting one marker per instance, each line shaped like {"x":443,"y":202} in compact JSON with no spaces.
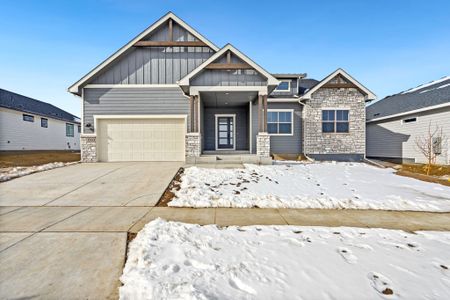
{"x":387,"y":45}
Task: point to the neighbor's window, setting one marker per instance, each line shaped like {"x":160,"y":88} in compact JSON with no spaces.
{"x":437,"y":145}
{"x":279,"y":122}
{"x":409,"y":120}
{"x":335,"y":121}
{"x":284,"y":86}
{"x":28,"y":118}
{"x":69,"y":129}
{"x":44,"y":122}
{"x":79,"y":128}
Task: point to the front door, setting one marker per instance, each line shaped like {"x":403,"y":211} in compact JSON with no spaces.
{"x":225,"y":132}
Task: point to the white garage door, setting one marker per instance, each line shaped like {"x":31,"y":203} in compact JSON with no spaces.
{"x":153,"y":139}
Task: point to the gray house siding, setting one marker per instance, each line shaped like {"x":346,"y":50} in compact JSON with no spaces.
{"x":229,"y":78}
{"x":281,"y":144}
{"x":162,"y":34}
{"x":154,"y":65}
{"x":209,"y":135}
{"x":132,"y":101}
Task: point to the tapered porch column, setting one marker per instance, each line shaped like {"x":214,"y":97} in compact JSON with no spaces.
{"x":265,"y":112}
{"x":263,"y":138}
{"x":191,"y":112}
{"x":260,"y":115}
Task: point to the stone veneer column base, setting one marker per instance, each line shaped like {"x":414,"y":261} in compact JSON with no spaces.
{"x":263,"y":144}
{"x":193,"y":145}
{"x":88,"y":148}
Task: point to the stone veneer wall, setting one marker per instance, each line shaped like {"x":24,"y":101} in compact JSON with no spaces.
{"x":88,"y":149}
{"x":193,"y":145}
{"x":317,"y":142}
{"x":263,"y":144}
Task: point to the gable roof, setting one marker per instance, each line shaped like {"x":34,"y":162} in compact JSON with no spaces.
{"x":75,"y":88}
{"x":339,"y":71}
{"x":32,"y":106}
{"x":271,"y":81}
{"x":423,"y":97}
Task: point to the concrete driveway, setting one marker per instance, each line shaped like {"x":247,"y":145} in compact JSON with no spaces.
{"x":63,"y":232}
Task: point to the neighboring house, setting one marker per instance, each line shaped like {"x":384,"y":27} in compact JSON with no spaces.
{"x":29,"y":124}
{"x":395,"y":122}
{"x":172,"y":95}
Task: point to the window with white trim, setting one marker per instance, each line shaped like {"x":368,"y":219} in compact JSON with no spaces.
{"x":335,"y":121}
{"x":44,"y":122}
{"x":69,"y":130}
{"x":28,"y":118}
{"x":280,"y":122}
{"x":284,"y":86}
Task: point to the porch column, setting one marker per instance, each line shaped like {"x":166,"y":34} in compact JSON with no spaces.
{"x":265,"y":112}
{"x":196,"y":113}
{"x":260,"y":127}
{"x":191,"y":112}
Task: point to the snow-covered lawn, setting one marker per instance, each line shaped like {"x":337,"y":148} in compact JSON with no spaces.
{"x":317,"y":185}
{"x":14,"y":172}
{"x":170,"y":260}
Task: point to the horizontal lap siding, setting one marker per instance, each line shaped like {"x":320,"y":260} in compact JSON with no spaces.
{"x":281,"y":144}
{"x":132,"y":101}
{"x":394,"y":139}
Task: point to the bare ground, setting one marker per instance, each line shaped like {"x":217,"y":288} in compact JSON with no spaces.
{"x":33,"y":158}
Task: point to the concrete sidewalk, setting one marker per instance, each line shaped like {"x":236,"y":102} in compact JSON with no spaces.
{"x":79,"y":252}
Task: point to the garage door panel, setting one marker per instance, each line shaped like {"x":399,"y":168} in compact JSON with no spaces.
{"x":141,"y":139}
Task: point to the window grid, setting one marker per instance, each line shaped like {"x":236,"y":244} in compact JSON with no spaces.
{"x":280,"y":122}
{"x":335,"y":121}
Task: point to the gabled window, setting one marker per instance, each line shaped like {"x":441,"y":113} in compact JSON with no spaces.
{"x":284,"y":86}
{"x":280,"y":122}
{"x":335,"y":121}
{"x":28,"y":118}
{"x":69,"y":130}
{"x":44,"y":122}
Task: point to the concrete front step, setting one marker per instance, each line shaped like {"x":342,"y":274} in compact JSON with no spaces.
{"x":229,"y":159}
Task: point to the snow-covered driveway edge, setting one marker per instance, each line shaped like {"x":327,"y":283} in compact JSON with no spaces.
{"x":172,"y":260}
{"x":15,"y":172}
{"x":313,"y":185}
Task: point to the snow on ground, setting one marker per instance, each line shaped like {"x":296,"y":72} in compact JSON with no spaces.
{"x":314,"y":185}
{"x":170,"y":260}
{"x":14,"y":172}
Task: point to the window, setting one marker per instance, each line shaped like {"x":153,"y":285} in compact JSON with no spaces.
{"x":69,"y":129}
{"x":44,"y":122}
{"x":437,"y":145}
{"x":28,"y":118}
{"x":335,"y":121}
{"x":79,"y":128}
{"x":409,"y":120}
{"x":284,"y":86}
{"x":279,"y":122}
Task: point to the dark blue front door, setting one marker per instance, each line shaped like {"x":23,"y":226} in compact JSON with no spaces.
{"x":225,"y":129}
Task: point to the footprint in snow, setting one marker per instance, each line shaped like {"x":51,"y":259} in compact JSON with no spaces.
{"x":381,"y":283}
{"x":239,"y":285}
{"x":347,"y":254}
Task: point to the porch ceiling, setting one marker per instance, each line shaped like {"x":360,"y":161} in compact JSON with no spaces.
{"x":227,"y":99}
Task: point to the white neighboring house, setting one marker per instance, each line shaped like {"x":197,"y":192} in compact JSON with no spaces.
{"x":394,"y":123}
{"x":29,"y":124}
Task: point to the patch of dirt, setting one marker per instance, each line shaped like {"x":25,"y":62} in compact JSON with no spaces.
{"x":436,"y":170}
{"x":32,"y":158}
{"x":168,"y":195}
{"x":424,"y":177}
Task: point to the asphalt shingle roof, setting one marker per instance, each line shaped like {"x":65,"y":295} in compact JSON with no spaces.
{"x":429,"y":94}
{"x":32,"y":106}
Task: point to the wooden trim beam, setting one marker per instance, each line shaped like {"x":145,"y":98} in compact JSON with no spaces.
{"x":259,"y":113}
{"x":218,"y":66}
{"x":265,"y":112}
{"x":339,"y":85}
{"x":170,"y":30}
{"x":170,"y":44}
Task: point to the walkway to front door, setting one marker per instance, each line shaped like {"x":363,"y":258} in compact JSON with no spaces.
{"x":225,"y":132}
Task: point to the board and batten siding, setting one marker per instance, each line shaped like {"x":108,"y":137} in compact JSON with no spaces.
{"x":132,"y":101}
{"x":242,"y":142}
{"x":154,"y":65}
{"x":16,"y":134}
{"x":291,"y":144}
{"x":392,"y":138}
